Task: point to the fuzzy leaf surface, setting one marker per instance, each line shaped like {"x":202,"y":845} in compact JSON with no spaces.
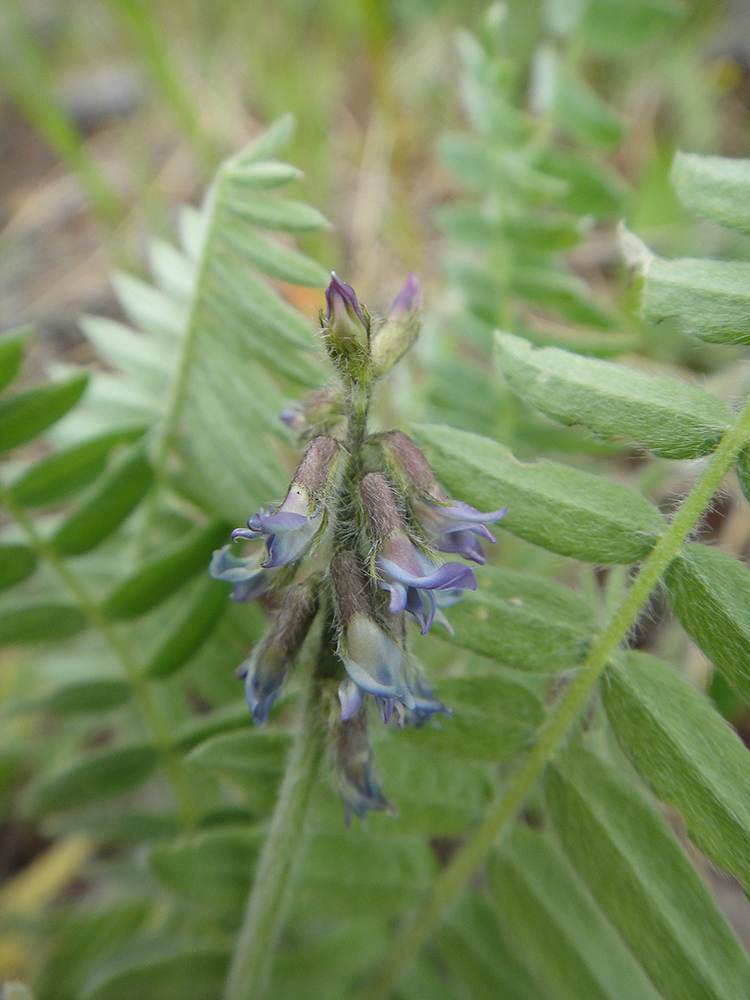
{"x":686,"y":751}
{"x":709,"y":591}
{"x":561,"y":931}
{"x":710,"y":298}
{"x":717,"y":187}
{"x":562,"y":509}
{"x":640,"y":877}
{"x":670,"y":417}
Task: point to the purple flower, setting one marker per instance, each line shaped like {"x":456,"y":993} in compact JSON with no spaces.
{"x":354,"y":769}
{"x":250,"y":578}
{"x":266,"y":669}
{"x":456,"y":527}
{"x":377,"y":665}
{"x":408,"y":302}
{"x":289,"y":531}
{"x":412,"y":577}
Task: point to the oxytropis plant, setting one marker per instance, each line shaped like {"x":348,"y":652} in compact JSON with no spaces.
{"x":369,"y":505}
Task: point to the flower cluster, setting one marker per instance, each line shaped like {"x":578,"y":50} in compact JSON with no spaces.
{"x":378,"y":502}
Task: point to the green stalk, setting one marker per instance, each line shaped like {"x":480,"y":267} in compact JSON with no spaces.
{"x":264,"y":915}
{"x":552,"y":735}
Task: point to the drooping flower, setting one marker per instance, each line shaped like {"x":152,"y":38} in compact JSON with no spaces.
{"x":266,"y":668}
{"x":291,"y":529}
{"x":251,"y":580}
{"x":450,"y":525}
{"x":402,"y":568}
{"x":375,"y":662}
{"x":354,"y":768}
{"x":412,"y":577}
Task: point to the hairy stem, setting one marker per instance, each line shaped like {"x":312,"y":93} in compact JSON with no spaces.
{"x":143,"y":694}
{"x":552,"y":735}
{"x":264,"y":914}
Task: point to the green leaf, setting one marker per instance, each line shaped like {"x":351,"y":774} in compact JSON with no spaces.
{"x":115,"y":495}
{"x":275,"y":214}
{"x":149,"y":359}
{"x":559,"y":290}
{"x":148,"y":308}
{"x":161,"y":577}
{"x":65,"y":473}
{"x":636,"y":870}
{"x":561,"y":932}
{"x":475,"y":949}
{"x":522,"y":621}
{"x":213,"y":869}
{"x":710,"y":298}
{"x":176,"y":972}
{"x":493,"y":719}
{"x":173,"y":270}
{"x":11,"y":355}
{"x":709,"y":591}
{"x":25,"y":415}
{"x":40,"y":623}
{"x":190,"y":631}
{"x":125,"y":827}
{"x":266,"y":174}
{"x":613,"y":26}
{"x":272,"y":258}
{"x":689,"y":755}
{"x":251,"y":759}
{"x":235,"y":715}
{"x":352,"y":872}
{"x":717,"y":187}
{"x":99,"y":695}
{"x":15,"y":991}
{"x":584,"y":114}
{"x":17,"y":562}
{"x":667,"y":415}
{"x":94,"y":778}
{"x":566,"y":510}
{"x":592,"y":186}
{"x":436,"y":795}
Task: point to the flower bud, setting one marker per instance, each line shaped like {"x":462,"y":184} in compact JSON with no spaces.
{"x":346,"y":331}
{"x":316,"y":415}
{"x":266,"y":668}
{"x":400,"y":329}
{"x":354,"y":770}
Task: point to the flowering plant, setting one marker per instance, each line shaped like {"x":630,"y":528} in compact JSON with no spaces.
{"x":388,"y":520}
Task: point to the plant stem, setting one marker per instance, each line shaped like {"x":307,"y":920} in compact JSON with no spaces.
{"x":553,"y":733}
{"x":251,"y":965}
{"x":140,"y":685}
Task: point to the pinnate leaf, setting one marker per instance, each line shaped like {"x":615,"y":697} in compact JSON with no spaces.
{"x":26,"y":414}
{"x":115,"y":496}
{"x":94,"y":778}
{"x":563,"y":509}
{"x":65,"y":473}
{"x":17,"y":562}
{"x":161,"y":577}
{"x":40,"y":623}
{"x":640,"y":877}
{"x":710,"y":298}
{"x":559,"y":928}
{"x":668,"y":416}
{"x":688,"y":754}
{"x":522,"y":621}
{"x":717,"y":187}
{"x":709,"y":591}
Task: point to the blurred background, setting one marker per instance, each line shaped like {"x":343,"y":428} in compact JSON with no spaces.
{"x":114,"y":113}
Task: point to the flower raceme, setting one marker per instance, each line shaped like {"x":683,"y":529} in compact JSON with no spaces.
{"x":388,"y":520}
